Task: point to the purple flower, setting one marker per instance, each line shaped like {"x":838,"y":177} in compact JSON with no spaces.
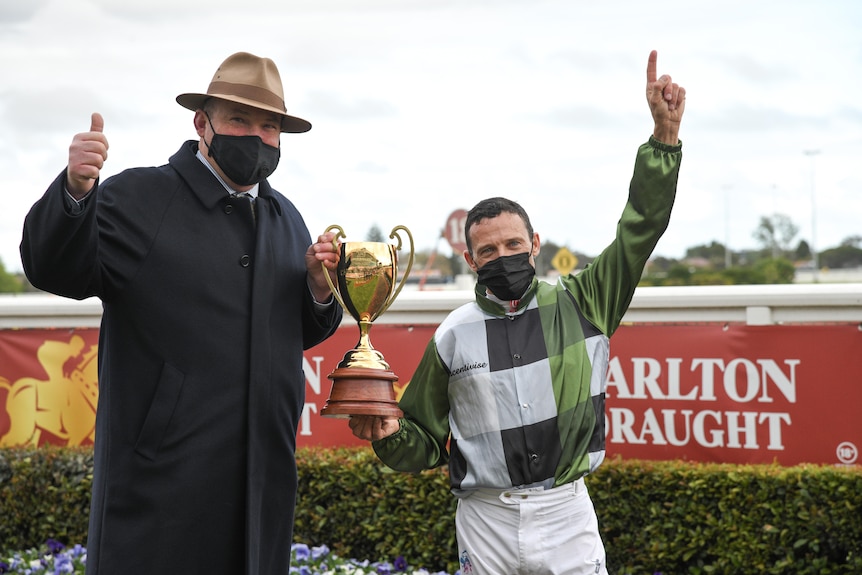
{"x":63,"y":564}
{"x":319,"y":552}
{"x":54,"y":546}
{"x":400,"y":563}
{"x":301,"y":551}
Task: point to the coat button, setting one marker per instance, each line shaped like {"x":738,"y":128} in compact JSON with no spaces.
{"x":534,"y":457}
{"x":245,"y":260}
{"x":228,"y":209}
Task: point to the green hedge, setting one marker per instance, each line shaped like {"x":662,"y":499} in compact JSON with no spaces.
{"x":44,"y":493}
{"x":360,"y":508}
{"x":675,"y":517}
{"x":667,"y":517}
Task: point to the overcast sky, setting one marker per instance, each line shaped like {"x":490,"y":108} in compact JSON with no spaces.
{"x":422,"y":107}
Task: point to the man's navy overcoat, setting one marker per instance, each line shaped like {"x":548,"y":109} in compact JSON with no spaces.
{"x":205,"y":317}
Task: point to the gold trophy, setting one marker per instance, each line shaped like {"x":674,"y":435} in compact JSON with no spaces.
{"x":367,"y":277}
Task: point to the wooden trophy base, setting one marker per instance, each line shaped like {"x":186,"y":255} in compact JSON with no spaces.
{"x":361,"y":391}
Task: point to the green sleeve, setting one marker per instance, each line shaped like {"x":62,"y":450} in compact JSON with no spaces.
{"x":605,"y":288}
{"x":421,"y":441}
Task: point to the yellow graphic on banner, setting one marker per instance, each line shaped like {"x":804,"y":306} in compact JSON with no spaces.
{"x":399,"y":389}
{"x":61,"y":409}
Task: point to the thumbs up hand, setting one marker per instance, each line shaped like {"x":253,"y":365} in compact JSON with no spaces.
{"x":87,"y":155}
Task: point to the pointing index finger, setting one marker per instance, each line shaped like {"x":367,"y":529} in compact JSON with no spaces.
{"x":651,"y":67}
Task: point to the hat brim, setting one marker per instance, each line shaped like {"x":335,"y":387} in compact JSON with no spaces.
{"x":289,"y":124}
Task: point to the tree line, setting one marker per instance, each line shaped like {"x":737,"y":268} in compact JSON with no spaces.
{"x":775,"y":259}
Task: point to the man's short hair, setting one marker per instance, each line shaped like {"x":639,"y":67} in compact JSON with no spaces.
{"x":491,"y":208}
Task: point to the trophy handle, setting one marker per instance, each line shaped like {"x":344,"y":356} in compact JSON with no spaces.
{"x":332,"y":287}
{"x":394,"y":235}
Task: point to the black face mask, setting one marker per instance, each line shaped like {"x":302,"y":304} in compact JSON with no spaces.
{"x":246,"y":160}
{"x":508,"y":277}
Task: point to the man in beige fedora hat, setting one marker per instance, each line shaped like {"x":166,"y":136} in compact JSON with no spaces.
{"x":209,"y":301}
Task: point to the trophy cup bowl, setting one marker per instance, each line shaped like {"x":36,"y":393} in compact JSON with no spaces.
{"x":367,"y":284}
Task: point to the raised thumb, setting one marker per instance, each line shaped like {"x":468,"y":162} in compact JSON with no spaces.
{"x":97,"y":123}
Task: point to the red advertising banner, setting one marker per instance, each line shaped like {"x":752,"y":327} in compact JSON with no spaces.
{"x":788,"y":394}
{"x":48,"y":386}
{"x":709,"y":392}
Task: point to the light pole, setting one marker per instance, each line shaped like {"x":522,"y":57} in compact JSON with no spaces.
{"x":812,"y":154}
{"x":727,"y":256}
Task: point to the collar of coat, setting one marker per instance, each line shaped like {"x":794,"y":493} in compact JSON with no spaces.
{"x":205,"y":185}
{"x":492,"y":307}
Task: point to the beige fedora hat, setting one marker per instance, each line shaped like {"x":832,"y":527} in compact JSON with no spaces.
{"x":251,"y":80}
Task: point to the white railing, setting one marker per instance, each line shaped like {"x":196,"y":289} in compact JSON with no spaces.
{"x":750,"y":304}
